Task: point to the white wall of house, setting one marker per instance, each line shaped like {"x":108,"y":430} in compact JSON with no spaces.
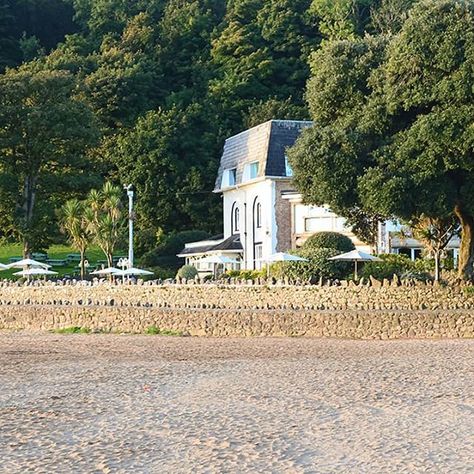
{"x":310,"y":219}
{"x":307,"y":220}
{"x":258,"y":236}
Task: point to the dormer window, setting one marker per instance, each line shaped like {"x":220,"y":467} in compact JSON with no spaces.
{"x":229,"y":178}
{"x":251,"y":171}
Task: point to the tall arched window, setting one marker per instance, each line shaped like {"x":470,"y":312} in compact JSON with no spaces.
{"x":257,"y":238}
{"x":258,"y":215}
{"x":235,"y":219}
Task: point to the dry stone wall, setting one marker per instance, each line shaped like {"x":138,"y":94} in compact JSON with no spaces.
{"x":348,"y":311}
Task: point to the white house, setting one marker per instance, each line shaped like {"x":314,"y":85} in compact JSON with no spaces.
{"x":263,"y":213}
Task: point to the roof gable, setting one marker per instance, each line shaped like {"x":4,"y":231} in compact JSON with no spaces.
{"x":265,"y":144}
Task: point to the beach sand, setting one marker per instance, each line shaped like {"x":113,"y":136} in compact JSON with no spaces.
{"x":111,"y":403}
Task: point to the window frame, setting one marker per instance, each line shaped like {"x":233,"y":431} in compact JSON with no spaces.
{"x":248,"y":167}
{"x":235,"y":218}
{"x":229,"y":178}
{"x":258,"y":214}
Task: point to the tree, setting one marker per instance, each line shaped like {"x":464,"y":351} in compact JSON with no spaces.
{"x":274,"y":108}
{"x":172,"y":160}
{"x":342,"y":19}
{"x":10,"y":53}
{"x":45,"y":133}
{"x":74,"y":224}
{"x":390,"y":15}
{"x":397,"y":139}
{"x":105,"y":219}
{"x":183,"y":50}
{"x":435,"y":234}
{"x":425,"y":160}
{"x":260,"y":53}
{"x":125,"y":83}
{"x":330,"y":156}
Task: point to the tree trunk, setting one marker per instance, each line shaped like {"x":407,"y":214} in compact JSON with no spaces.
{"x":466,"y":250}
{"x":29,"y":195}
{"x":26,"y":248}
{"x":83,"y":268}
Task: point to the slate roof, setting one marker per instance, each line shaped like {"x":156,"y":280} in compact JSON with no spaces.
{"x":265,"y":143}
{"x":231,"y":243}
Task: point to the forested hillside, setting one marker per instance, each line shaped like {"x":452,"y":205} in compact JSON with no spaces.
{"x":150,"y":88}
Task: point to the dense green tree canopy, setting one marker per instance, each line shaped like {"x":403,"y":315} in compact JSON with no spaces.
{"x":401,"y":139}
{"x":168,"y":154}
{"x":43,"y":23}
{"x":45,"y":132}
{"x":169,"y":80}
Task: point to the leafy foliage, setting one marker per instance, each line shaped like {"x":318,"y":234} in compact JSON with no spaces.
{"x":245,"y":275}
{"x":317,"y":266}
{"x":330,"y":240}
{"x":45,"y":133}
{"x":73,"y":330}
{"x":43,"y":23}
{"x":105,"y":220}
{"x":167,"y":82}
{"x":188,"y":272}
{"x":393,"y":122}
{"x":74,"y":224}
{"x":164,"y":254}
{"x":399,"y":265}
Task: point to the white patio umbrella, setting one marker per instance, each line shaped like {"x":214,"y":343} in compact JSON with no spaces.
{"x":35,"y":272}
{"x":282,"y":257}
{"x":355,"y":256}
{"x":133,"y":271}
{"x":106,"y":271}
{"x":28,"y":262}
{"x":218,"y":260}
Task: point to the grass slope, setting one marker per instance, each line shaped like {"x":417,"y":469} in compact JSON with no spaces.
{"x":56,"y":252}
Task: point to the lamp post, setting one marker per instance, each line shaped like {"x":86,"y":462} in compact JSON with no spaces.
{"x":130,"y":193}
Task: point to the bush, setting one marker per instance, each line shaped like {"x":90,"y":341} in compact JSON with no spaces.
{"x":317,"y":266}
{"x":232,"y":274}
{"x":188,"y":272}
{"x":160,"y":273}
{"x":329,"y":240}
{"x":245,"y":274}
{"x":164,"y":255}
{"x":400,"y":265}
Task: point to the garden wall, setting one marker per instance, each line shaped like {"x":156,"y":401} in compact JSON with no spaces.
{"x":349,"y":311}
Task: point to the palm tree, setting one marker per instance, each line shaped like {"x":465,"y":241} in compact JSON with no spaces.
{"x":105,"y":219}
{"x":435,"y":233}
{"x":73,"y":224}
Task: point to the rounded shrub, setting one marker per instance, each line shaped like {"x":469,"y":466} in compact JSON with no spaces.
{"x":317,"y":266}
{"x":188,"y":272}
{"x":329,"y":240}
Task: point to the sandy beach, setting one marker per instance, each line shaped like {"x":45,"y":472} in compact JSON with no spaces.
{"x":146,"y":404}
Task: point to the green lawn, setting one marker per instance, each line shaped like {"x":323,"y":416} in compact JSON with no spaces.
{"x":57,"y":252}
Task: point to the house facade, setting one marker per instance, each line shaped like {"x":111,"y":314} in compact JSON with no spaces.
{"x":263,"y":213}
